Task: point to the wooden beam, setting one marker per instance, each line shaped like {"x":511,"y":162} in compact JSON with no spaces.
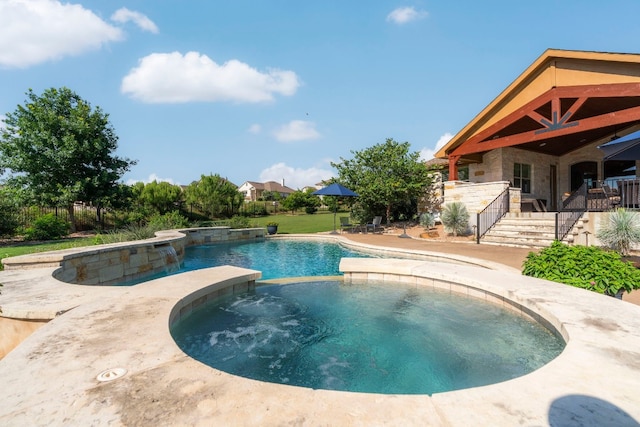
{"x":453,"y":167}
{"x":476,"y":145}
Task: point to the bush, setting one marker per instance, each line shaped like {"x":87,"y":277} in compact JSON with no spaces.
{"x":47,"y":227}
{"x":587,"y":267}
{"x":620,"y":231}
{"x":167,"y":221}
{"x":239,"y":222}
{"x":455,"y":218}
{"x":427,"y":220}
{"x":8,"y":219}
{"x":310,"y":210}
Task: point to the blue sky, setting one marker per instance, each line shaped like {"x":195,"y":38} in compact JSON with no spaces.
{"x":272,"y":90}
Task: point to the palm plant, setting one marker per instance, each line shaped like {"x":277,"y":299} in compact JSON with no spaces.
{"x":620,"y":231}
{"x":455,"y":218}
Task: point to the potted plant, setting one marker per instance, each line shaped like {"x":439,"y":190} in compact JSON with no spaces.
{"x":272,"y":227}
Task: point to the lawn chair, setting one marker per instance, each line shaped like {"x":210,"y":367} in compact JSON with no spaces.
{"x":375,"y":226}
{"x":345,"y":224}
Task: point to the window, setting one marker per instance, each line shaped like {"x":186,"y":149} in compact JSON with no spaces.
{"x":522,"y":177}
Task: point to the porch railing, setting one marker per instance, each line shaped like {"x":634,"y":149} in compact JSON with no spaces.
{"x":491,"y":214}
{"x":572,"y":210}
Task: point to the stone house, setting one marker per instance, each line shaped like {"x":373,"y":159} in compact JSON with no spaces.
{"x":539,"y":137}
{"x":253,"y":191}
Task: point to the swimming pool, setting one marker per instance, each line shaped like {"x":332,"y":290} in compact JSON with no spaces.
{"x":275,"y":258}
{"x":389,"y":338}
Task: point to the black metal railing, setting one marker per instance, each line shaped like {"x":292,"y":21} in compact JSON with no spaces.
{"x":572,"y":210}
{"x":491,"y":214}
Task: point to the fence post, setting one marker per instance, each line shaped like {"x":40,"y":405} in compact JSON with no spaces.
{"x":478,"y":228}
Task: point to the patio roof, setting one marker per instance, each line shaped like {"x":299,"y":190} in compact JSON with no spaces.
{"x":564,"y":101}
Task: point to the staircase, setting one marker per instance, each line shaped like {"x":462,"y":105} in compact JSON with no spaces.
{"x":526,"y":229}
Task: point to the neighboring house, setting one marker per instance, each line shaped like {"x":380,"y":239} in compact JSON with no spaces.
{"x":254,"y":190}
{"x":540,"y":136}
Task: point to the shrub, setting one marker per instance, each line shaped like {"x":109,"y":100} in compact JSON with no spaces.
{"x":239,"y":222}
{"x":587,"y":267}
{"x":310,"y":210}
{"x":620,"y":231}
{"x":8,"y":219}
{"x":427,"y":220}
{"x":127,"y":234}
{"x":167,"y":221}
{"x":455,"y":218}
{"x":47,"y":227}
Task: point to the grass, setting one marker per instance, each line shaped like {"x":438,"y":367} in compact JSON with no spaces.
{"x":300,"y":223}
{"x":30,"y":247}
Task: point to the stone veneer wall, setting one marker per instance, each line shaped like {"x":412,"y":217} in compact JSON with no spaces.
{"x":113,"y":263}
{"x":476,"y":196}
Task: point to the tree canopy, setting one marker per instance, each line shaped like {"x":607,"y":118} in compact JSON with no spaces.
{"x":215,"y":196}
{"x":58,"y":150}
{"x":161,"y":197}
{"x":388,"y":178}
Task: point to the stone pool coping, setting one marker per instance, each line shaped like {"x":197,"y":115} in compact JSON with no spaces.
{"x":50,"y":379}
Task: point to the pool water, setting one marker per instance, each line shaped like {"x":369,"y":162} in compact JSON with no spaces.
{"x":275,"y":258}
{"x":387,"y":338}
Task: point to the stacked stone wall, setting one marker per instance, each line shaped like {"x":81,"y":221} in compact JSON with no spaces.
{"x":120,"y":262}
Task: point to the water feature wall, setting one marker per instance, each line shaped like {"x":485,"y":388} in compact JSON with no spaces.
{"x":119,"y":262}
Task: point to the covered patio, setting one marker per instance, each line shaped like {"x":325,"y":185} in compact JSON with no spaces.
{"x":542,"y":133}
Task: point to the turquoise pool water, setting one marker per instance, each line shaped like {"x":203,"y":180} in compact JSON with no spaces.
{"x":276,"y":258}
{"x":377,"y":338}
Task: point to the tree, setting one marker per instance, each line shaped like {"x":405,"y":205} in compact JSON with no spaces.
{"x":162,"y":197}
{"x":59,"y":149}
{"x":216,"y":196}
{"x":300,"y":199}
{"x":387,"y":177}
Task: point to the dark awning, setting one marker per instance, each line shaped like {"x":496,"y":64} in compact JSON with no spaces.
{"x":626,"y":150}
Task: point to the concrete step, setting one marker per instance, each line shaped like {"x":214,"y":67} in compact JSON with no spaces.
{"x":536,"y":242}
{"x":514,"y":233}
{"x":527,"y":223}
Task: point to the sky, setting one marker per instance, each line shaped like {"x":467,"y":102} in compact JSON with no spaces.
{"x":277,"y":90}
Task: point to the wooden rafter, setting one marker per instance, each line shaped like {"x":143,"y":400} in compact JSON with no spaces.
{"x":557,"y":124}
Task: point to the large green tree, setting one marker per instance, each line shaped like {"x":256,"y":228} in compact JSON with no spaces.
{"x":59,"y":150}
{"x":162,"y":197}
{"x":215,"y":196}
{"x":388,"y":178}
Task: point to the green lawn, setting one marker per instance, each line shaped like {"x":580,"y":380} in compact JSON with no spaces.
{"x":300,"y":223}
{"x":10,"y":250}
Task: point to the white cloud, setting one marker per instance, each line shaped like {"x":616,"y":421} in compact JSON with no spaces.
{"x":36,"y":31}
{"x":402,"y":15}
{"x":151,"y":178}
{"x":255,"y":129}
{"x":297,"y":130}
{"x":124,"y":15}
{"x":428,"y":153}
{"x":177,"y":78}
{"x":295,"y":178}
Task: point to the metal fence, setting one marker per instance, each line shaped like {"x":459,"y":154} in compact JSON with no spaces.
{"x":86,"y":217}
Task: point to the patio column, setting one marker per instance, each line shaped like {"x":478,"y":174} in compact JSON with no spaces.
{"x":453,"y":167}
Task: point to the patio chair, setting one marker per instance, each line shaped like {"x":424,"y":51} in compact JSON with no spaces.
{"x":375,"y":226}
{"x":345,"y":224}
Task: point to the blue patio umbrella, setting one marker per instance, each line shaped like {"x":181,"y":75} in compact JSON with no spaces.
{"x":338,"y":190}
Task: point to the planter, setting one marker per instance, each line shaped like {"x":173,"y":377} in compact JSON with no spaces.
{"x":617,"y":295}
{"x":272,"y":229}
